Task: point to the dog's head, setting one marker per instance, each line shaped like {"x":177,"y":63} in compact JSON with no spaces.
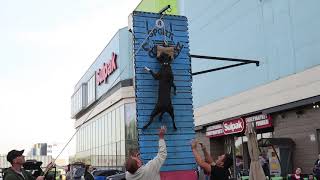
{"x":165,"y":55}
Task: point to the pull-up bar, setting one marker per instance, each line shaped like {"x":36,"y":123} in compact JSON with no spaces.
{"x":242,"y":62}
{"x":164,"y":9}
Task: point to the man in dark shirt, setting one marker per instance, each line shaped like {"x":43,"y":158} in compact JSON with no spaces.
{"x":16,"y":172}
{"x":218,"y":170}
{"x":316,"y":168}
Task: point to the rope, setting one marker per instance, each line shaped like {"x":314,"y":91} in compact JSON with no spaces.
{"x":164,"y":34}
{"x":86,"y":120}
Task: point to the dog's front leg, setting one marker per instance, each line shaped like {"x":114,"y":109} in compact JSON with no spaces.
{"x":154,"y":75}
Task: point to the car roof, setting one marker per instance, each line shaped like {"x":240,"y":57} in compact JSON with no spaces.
{"x":106,"y":172}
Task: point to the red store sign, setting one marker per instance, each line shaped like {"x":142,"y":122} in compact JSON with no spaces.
{"x":106,"y":70}
{"x":261,"y":121}
{"x":215,"y":131}
{"x":238,"y":125}
{"x":233,"y":126}
{"x":228,"y":127}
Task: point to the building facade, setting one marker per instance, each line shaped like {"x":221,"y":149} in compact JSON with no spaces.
{"x":283,"y":36}
{"x":103,"y":106}
{"x":281,"y":95}
{"x":39,"y":149}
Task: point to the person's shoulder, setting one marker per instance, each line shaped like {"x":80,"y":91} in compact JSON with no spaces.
{"x":10,"y":176}
{"x":9,"y":173}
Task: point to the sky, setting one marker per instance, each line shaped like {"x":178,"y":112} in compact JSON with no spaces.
{"x":45,"y":48}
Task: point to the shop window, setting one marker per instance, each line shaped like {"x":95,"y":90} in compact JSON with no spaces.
{"x":114,"y":128}
{"x":118,"y":124}
{"x":99,"y":131}
{"x":96,"y":133}
{"x":241,"y":151}
{"x":267,"y":135}
{"x":106,"y":129}
{"x":122,"y":124}
{"x":109,"y":130}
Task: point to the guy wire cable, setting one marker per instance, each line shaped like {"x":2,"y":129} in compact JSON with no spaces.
{"x":105,"y":93}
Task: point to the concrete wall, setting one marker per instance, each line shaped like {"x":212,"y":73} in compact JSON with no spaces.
{"x":289,"y":89}
{"x":282,"y":35}
{"x":300,"y":128}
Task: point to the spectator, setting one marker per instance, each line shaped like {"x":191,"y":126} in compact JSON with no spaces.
{"x":87,"y":173}
{"x":68,"y":173}
{"x":50,"y":176}
{"x":297,"y":175}
{"x":316,"y":169}
{"x":264,"y":164}
{"x":239,"y":165}
{"x":135,"y":169}
{"x":218,"y":170}
{"x":16,"y":172}
{"x":310,"y":177}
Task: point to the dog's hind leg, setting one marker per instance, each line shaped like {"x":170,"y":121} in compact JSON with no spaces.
{"x":153,"y":114}
{"x":170,"y":111}
{"x":160,"y":118}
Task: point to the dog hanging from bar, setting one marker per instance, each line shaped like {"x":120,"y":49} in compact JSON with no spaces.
{"x":165,"y":56}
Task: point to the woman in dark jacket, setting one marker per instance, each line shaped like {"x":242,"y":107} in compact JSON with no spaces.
{"x":87,"y":173}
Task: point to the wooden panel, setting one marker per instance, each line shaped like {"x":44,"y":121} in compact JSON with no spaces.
{"x":146,"y":90}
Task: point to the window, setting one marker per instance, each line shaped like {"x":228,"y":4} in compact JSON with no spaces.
{"x":118,"y":123}
{"x":122,"y":124}
{"x":114,"y":128}
{"x":102,"y":131}
{"x":77,"y":140}
{"x":89,"y":136}
{"x":96,"y":133}
{"x":91,"y":89}
{"x":92,"y":136}
{"x":109,"y":128}
{"x":77,"y":100}
{"x":123,"y":150}
{"x":106,"y":129}
{"x":86,"y":137}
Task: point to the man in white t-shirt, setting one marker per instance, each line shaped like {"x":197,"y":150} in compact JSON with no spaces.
{"x":150,"y":171}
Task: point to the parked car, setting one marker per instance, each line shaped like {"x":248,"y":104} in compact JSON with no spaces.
{"x":120,"y":176}
{"x":77,"y":170}
{"x":105,"y":174}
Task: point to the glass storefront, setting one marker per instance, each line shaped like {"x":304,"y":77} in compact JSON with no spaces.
{"x":102,"y":141}
{"x":242,"y":154}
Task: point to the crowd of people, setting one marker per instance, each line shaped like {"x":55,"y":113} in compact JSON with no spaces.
{"x":218,"y":169}
{"x":136,"y":170}
{"x":215,"y":170}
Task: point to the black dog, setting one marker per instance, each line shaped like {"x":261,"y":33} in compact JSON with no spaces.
{"x":165,"y":76}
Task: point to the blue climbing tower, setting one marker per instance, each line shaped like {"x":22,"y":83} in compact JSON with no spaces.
{"x":149,"y":30}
